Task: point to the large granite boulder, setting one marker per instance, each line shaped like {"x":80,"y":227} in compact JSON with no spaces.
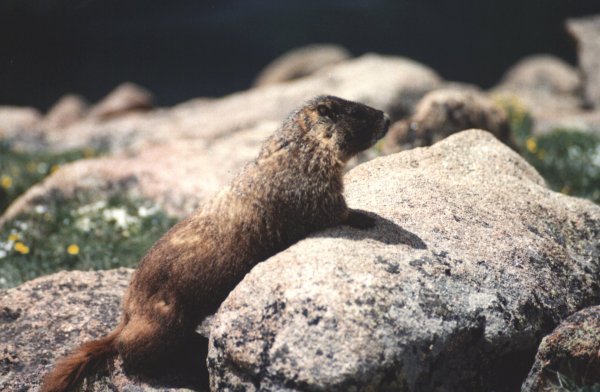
{"x":472,"y":261}
{"x":570,"y":355}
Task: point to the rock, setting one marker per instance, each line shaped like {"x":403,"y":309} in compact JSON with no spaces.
{"x":586,"y":31}
{"x":127,"y":97}
{"x":571,"y":350}
{"x":19,"y":123}
{"x":472,"y":261}
{"x":67,"y":111}
{"x":177,"y":176}
{"x":585,"y":121}
{"x":301,"y":62}
{"x":544,"y":73}
{"x":545,"y":84}
{"x":446,"y":111}
{"x":393,"y":84}
{"x":44,"y":319}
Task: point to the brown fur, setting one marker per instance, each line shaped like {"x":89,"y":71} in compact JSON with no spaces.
{"x":293,"y":188}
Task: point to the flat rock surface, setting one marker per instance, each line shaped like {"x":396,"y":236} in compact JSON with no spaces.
{"x":473,"y":260}
{"x":178,"y":176}
{"x":572,"y":351}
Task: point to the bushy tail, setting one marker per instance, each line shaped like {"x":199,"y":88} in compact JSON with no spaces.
{"x":69,"y":371}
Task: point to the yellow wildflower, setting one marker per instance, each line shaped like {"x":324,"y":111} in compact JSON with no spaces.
{"x":531,"y":145}
{"x":31,"y":167}
{"x":73,"y":249}
{"x":54,"y":168}
{"x":21,"y":248}
{"x":88,"y":152}
{"x":6,"y":181}
{"x":541,"y":154}
{"x":14,"y":237}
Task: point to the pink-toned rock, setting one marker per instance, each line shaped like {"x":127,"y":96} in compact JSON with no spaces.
{"x":571,"y":353}
{"x":126,"y":97}
{"x":584,"y":121}
{"x":471,"y":261}
{"x":16,"y":121}
{"x":545,"y":84}
{"x":301,"y":62}
{"x":44,"y":319}
{"x":178,"y":176}
{"x":68,"y":110}
{"x":392,"y":84}
{"x":586,"y":31}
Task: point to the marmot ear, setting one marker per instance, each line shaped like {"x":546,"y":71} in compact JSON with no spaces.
{"x":325,"y":111}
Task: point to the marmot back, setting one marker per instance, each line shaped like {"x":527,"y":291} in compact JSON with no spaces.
{"x":293,"y":188}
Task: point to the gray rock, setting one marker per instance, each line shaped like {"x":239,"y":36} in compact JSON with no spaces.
{"x":571,"y":352}
{"x":586,"y":31}
{"x":545,"y":84}
{"x":443,"y":112}
{"x":301,"y":62}
{"x":472,"y":261}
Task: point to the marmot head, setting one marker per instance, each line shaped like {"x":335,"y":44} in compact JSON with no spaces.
{"x":343,"y":127}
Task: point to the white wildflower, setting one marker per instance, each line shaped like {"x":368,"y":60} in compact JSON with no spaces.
{"x":91,"y":207}
{"x":84,"y":223}
{"x":144,"y":211}
{"x":120,"y":216}
{"x":40,"y":209}
{"x":3,"y":253}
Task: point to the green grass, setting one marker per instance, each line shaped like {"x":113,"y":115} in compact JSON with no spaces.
{"x":84,"y":233}
{"x":20,"y":170}
{"x":568,"y":159}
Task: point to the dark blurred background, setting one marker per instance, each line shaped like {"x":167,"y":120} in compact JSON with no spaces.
{"x":183,"y":49}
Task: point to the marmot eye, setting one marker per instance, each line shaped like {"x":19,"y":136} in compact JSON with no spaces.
{"x":325,"y":111}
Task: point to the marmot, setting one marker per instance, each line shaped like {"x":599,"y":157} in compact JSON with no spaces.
{"x":293,"y":188}
{"x":443,"y":112}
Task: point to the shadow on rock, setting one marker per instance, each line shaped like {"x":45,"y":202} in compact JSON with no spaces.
{"x":384,"y":231}
{"x":188,"y":371}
